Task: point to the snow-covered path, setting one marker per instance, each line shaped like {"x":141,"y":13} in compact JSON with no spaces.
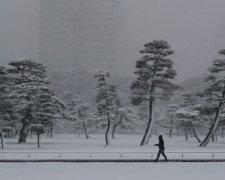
{"x":112,"y":171}
{"x":66,"y":146}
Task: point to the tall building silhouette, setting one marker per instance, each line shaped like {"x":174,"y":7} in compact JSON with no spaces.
{"x":79,"y":33}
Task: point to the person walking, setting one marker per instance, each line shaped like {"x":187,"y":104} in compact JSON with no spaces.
{"x":161,"y":149}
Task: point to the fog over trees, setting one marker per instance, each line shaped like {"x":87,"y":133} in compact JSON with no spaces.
{"x":193,"y":28}
{"x":83,"y":72}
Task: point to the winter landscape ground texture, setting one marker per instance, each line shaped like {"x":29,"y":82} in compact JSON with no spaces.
{"x":112,"y":171}
{"x":126,"y":144}
{"x":72,"y":147}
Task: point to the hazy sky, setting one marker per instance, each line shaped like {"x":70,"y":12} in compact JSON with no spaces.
{"x":18,"y":29}
{"x":192,"y":27}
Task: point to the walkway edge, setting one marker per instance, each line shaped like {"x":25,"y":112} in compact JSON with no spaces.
{"x":105,"y":160}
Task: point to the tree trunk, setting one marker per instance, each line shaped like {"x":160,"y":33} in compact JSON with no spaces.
{"x":171,"y":131}
{"x":23,"y":134}
{"x":2,"y":140}
{"x":24,"y":129}
{"x":107,"y":133}
{"x":215,"y":123}
{"x":150,"y":121}
{"x":113,"y":132}
{"x":78,"y":131}
{"x":31,"y":134}
{"x":196,"y":135}
{"x":222,"y":135}
{"x":116,"y":126}
{"x":186,"y":134}
{"x":213,"y":137}
{"x":85,"y":130}
{"x":38,"y":140}
{"x":52,"y":130}
{"x":150,"y":135}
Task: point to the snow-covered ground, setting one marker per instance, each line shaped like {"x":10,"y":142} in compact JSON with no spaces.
{"x":71,"y":147}
{"x":112,"y":171}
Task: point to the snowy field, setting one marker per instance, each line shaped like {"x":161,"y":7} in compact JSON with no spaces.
{"x":72,"y":147}
{"x":112,"y":171}
{"x":124,"y":146}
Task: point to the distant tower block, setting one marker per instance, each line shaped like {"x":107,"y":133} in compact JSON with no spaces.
{"x":79,"y":34}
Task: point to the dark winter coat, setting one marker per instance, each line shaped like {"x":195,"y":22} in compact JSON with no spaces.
{"x":161,"y":144}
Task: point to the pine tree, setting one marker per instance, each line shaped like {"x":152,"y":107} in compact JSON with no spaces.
{"x":215,"y":93}
{"x":48,"y":108}
{"x":206,"y":111}
{"x":38,"y":129}
{"x":107,"y":100}
{"x":8,"y":114}
{"x":28,"y":75}
{"x":78,"y":112}
{"x":6,"y":107}
{"x":84,"y":116}
{"x":36,"y":101}
{"x":154,"y":71}
{"x":188,"y":114}
{"x":171,"y":111}
{"x":126,"y":119}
